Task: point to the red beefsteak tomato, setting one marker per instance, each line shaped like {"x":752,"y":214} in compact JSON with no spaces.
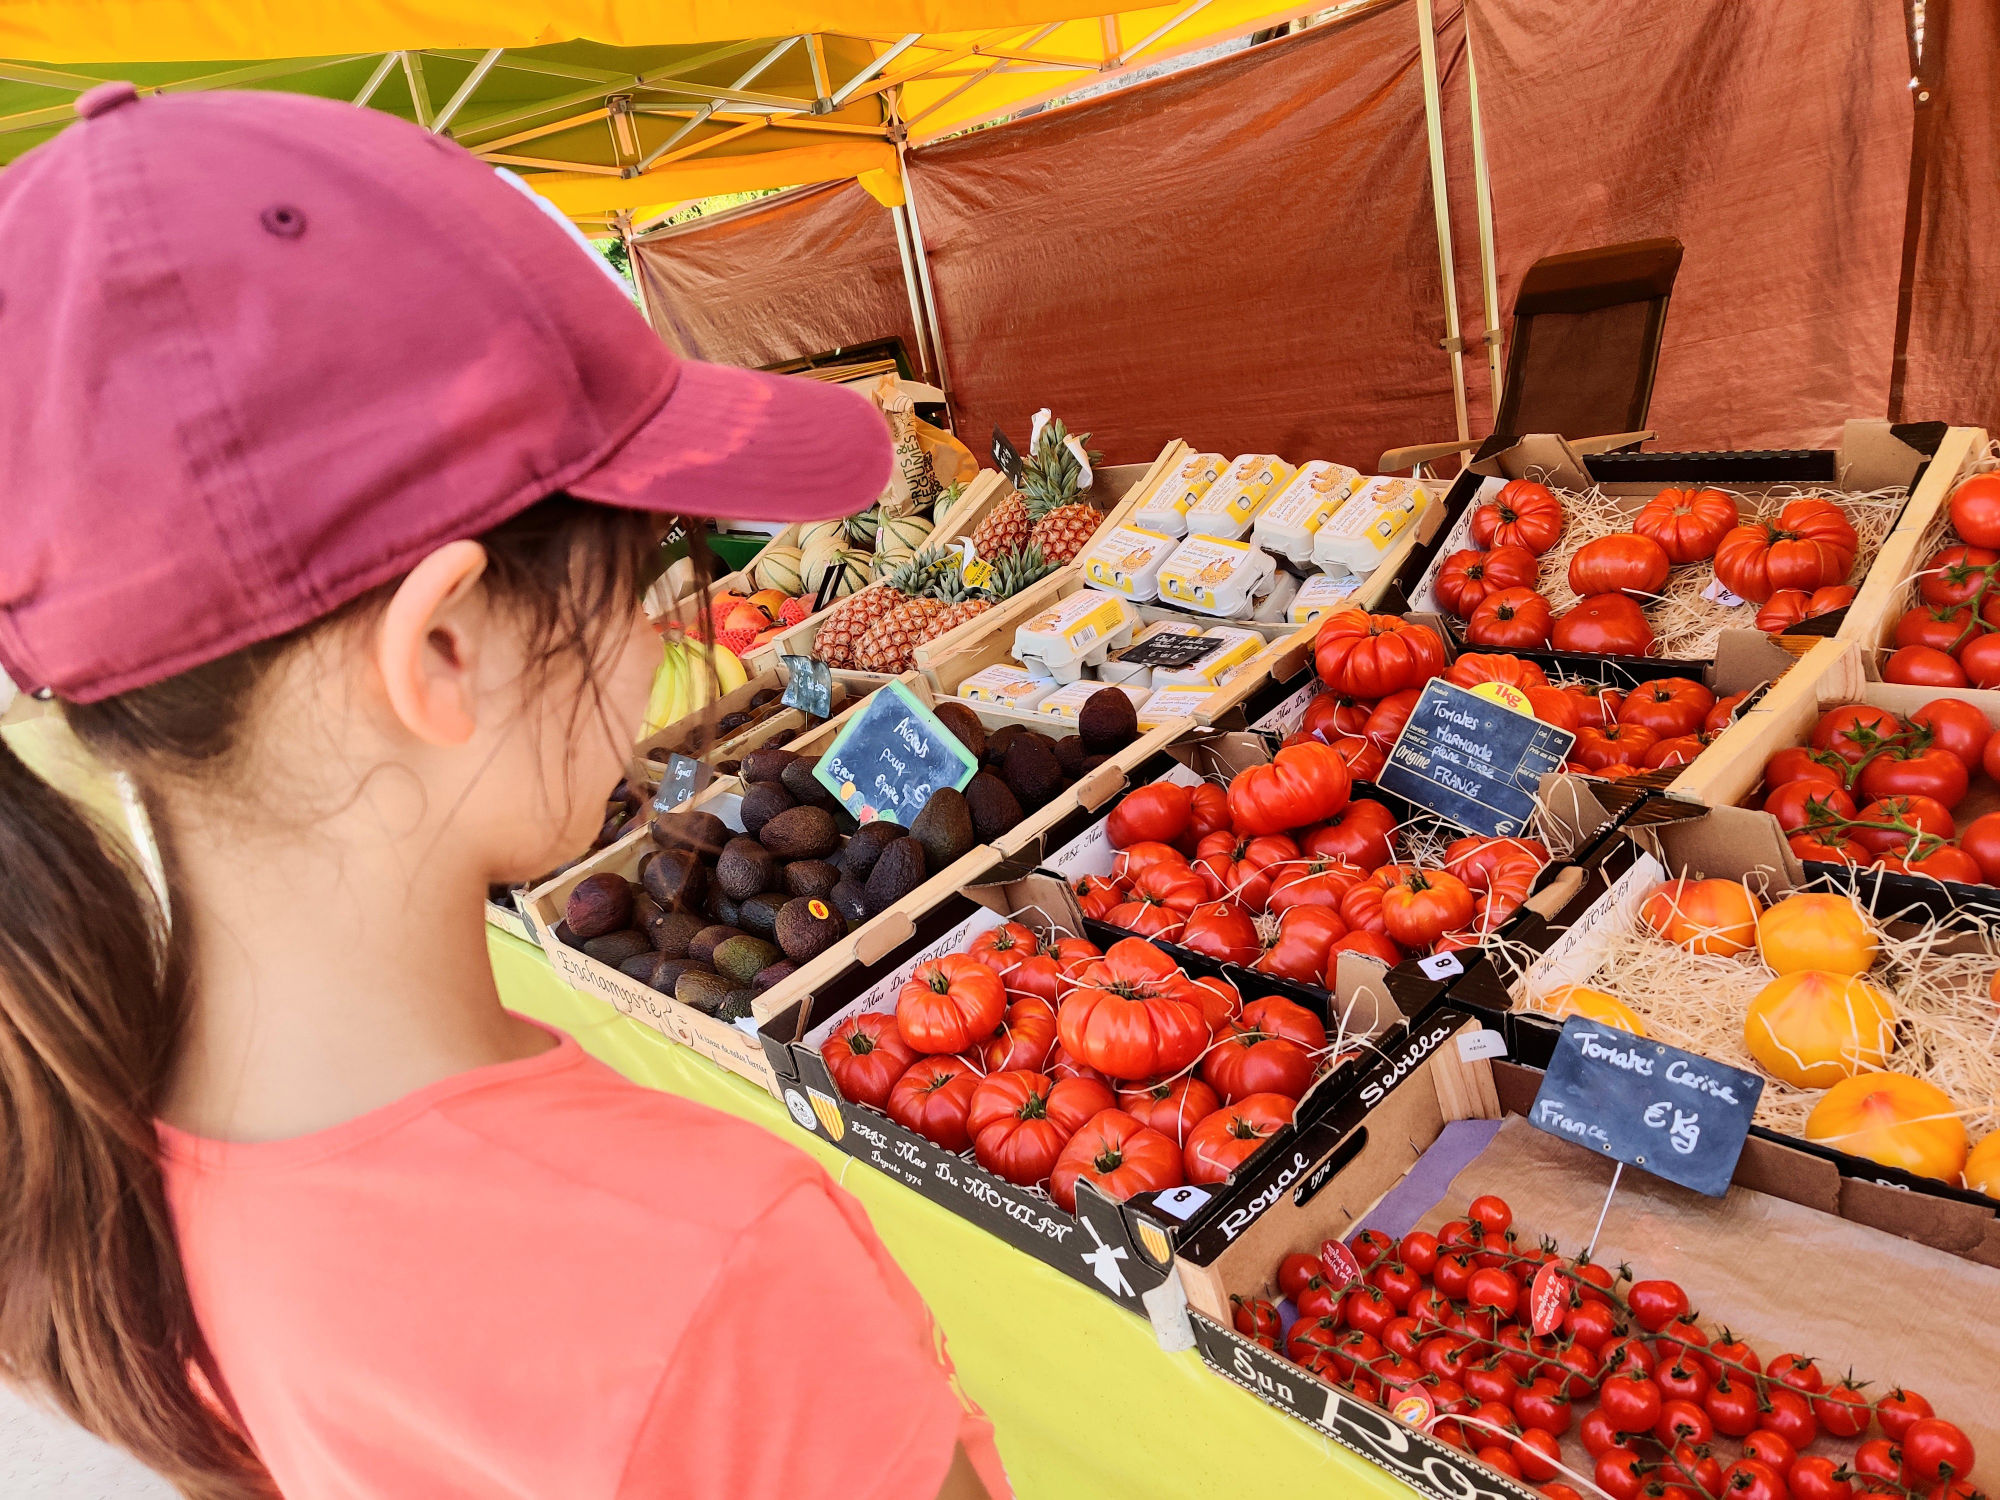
{"x":1243,"y":868}
{"x":1302,"y":948}
{"x":932,"y":1098}
{"x":1172,"y":1107}
{"x":1510,"y":620}
{"x":1158,"y":811}
{"x":1118,"y":1156}
{"x":1372,"y":656}
{"x":949,"y":1004}
{"x":1133,"y":1014}
{"x":1687,"y":524}
{"x":1523,"y":514}
{"x":1668,"y":706}
{"x":1623,"y":562}
{"x":1302,"y":785}
{"x":1026,"y":1038}
{"x":1424,"y":905}
{"x":1466,"y":579}
{"x":1358,"y":833}
{"x":1229,"y":1137}
{"x":1020,"y":1121}
{"x":867,"y":1054}
{"x":1221,"y":930}
{"x":1603,"y":625}
{"x":1808,"y":545}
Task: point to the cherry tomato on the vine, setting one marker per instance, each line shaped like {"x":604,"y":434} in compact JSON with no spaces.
{"x":1656,"y":1303}
{"x":1935,"y":1450}
{"x":1753,"y":1479}
{"x":1898,"y":1409}
{"x":1490,"y":1214}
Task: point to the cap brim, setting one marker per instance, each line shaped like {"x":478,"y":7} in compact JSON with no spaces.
{"x":742,"y":445}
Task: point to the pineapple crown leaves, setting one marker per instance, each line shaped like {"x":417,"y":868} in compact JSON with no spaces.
{"x":1051,"y":477}
{"x":1014,"y":571}
{"x":915,"y":576}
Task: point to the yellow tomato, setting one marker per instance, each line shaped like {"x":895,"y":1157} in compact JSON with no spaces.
{"x":1816,"y":932}
{"x":1593,"y":1005}
{"x":1982,"y":1167}
{"x":1894,"y":1119}
{"x":1813,"y":1029}
{"x":1716,"y":917}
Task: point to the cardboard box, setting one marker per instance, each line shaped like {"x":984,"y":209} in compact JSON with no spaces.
{"x":1122,"y":1250}
{"x":1673,"y":838}
{"x":1872,"y":455}
{"x":1925,"y":526}
{"x":1580,"y":818}
{"x":732,"y":1046}
{"x":1926,"y":1276}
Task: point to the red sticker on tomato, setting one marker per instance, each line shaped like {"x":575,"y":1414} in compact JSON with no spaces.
{"x":1340,"y":1262}
{"x":1414,"y":1407}
{"x":1546,"y":1296}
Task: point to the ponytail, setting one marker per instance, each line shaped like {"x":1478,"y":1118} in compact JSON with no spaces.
{"x":94,"y":1313}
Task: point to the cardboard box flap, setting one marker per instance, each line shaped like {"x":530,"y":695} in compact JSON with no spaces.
{"x":1543,"y":456}
{"x":1874,"y":456}
{"x":1728,"y":844}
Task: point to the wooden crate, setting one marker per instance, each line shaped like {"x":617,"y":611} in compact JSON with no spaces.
{"x":1830,"y":671}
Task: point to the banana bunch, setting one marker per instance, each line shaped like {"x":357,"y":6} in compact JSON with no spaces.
{"x":692,"y":675}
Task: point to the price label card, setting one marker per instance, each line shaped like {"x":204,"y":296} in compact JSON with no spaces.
{"x":1172,"y":651}
{"x":1472,"y":761}
{"x":1007,"y":458}
{"x":890,"y":756}
{"x":809,"y":685}
{"x":682,"y":778}
{"x":1651,"y":1106}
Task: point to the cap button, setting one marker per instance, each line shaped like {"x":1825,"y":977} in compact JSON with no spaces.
{"x":106,"y":96}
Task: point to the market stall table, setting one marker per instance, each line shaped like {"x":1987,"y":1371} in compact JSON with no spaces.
{"x":1082,"y":1397}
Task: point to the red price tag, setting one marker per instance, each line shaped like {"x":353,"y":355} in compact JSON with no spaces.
{"x":1413,"y":1407}
{"x":1339,"y":1262}
{"x":1547,"y":1299}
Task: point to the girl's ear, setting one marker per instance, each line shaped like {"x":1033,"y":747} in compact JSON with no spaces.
{"x":427,"y":645}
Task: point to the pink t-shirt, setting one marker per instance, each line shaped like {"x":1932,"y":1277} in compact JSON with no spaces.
{"x":538,"y":1280}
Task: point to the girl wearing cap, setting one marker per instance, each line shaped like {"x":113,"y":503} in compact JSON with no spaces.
{"x":330,"y":473}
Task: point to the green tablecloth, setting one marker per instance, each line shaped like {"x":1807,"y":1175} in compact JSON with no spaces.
{"x":1084,"y":1401}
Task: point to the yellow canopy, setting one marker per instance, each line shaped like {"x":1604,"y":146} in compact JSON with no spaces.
{"x":610,"y":106}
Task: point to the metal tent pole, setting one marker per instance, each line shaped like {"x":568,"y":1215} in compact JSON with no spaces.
{"x":924,"y":269}
{"x":1482,"y":186}
{"x":897,"y":214}
{"x":1453,"y":343}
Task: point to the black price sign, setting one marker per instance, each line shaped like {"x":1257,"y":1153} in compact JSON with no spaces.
{"x":1007,"y":458}
{"x":890,"y":756}
{"x":1165,"y":649}
{"x":1472,"y":759}
{"x":682,"y":778}
{"x":1651,"y":1106}
{"x":809,"y":686}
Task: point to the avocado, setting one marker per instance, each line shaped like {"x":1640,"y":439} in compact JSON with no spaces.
{"x":599,"y":904}
{"x":644,"y":909}
{"x":799,"y":780}
{"x":702,"y":947}
{"x":702,"y":832}
{"x":667,"y":972}
{"x":730,"y":723}
{"x":564,"y":936}
{"x":742,"y":957}
{"x":745,"y":868}
{"x":1070,"y":753}
{"x":850,"y":899}
{"x":766,"y":764}
{"x":944,"y":828}
{"x":704,"y":991}
{"x":864,"y":846}
{"x":964,"y":723}
{"x":759,"y":915}
{"x":992,"y":804}
{"x":762,"y":696}
{"x":800,"y":833}
{"x":640,"y":966}
{"x":678,"y":880}
{"x":775,"y":973}
{"x":763,"y":801}
{"x":737,"y":1005}
{"x":615,"y":947}
{"x":807,"y":927}
{"x":810,"y":877}
{"x":671,"y":932}
{"x":899,"y":871}
{"x":1108,"y":722}
{"x":1031,"y":770}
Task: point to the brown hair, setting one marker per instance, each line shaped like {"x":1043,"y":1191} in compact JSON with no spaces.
{"x":94,"y":1311}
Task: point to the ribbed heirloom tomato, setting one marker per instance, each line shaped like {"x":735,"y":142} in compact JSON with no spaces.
{"x":1477,"y":667}
{"x":1221,"y":930}
{"x":1523,"y":514}
{"x":1389,"y":717}
{"x":932,"y":1098}
{"x":1371,"y":656}
{"x":1174,"y":1109}
{"x":1467,"y":578}
{"x":1668,"y":706}
{"x":1026,"y":1037}
{"x":1019,"y":1121}
{"x":1788,"y":607}
{"x":1243,"y":867}
{"x":1614,"y":744}
{"x":1687,"y":524}
{"x":1623,"y":562}
{"x":1302,"y":785}
{"x":950,"y":1004}
{"x":1808,"y":545}
{"x":1303,"y":948}
{"x":1119,"y":1157}
{"x":1227,"y":1138}
{"x":1162,"y":897}
{"x":1158,"y":810}
{"x":1358,"y":833}
{"x":1268,"y":1050}
{"x":867,"y":1054}
{"x":1511,"y":619}
{"x":1424,"y":905}
{"x":1603,"y":625}
{"x":1716,"y":918}
{"x":1133,"y":1014}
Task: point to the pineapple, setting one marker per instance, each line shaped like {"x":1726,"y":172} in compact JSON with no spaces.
{"x":887,"y":646}
{"x":849,"y":620}
{"x":1005,"y":528}
{"x":1062,"y":520}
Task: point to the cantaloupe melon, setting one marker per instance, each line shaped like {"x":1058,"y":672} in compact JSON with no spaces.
{"x":777,"y":567}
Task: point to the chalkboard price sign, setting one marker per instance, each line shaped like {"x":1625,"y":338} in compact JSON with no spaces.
{"x":1172,"y":651}
{"x":890,"y":756}
{"x":809,"y":686}
{"x":682,"y":778}
{"x":1672,"y":1113}
{"x":1007,"y":458}
{"x":1473,"y":761}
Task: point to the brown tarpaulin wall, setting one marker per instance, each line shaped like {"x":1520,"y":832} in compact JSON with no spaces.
{"x":811,"y":271}
{"x":1772,"y":140}
{"x":1244,"y":255}
{"x":1953,"y":372}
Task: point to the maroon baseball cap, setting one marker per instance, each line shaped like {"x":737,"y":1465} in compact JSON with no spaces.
{"x":264,"y":352}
